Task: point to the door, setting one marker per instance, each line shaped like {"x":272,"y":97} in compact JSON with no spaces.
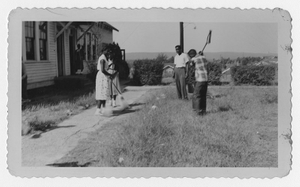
{"x":60,"y":55}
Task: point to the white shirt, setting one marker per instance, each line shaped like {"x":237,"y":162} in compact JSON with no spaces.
{"x":181,"y":60}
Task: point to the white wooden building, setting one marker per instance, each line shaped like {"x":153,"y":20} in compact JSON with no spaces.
{"x":48,"y":48}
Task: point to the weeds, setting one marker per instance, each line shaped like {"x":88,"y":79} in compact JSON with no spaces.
{"x":172,"y":136}
{"x":43,"y":117}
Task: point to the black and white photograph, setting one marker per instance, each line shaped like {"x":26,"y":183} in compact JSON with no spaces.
{"x":178,"y":96}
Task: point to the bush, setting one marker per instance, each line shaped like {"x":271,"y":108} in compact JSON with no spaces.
{"x":148,"y":72}
{"x":93,"y":71}
{"x":253,"y":75}
{"x":124,"y":70}
{"x":214,"y":71}
{"x":69,"y":82}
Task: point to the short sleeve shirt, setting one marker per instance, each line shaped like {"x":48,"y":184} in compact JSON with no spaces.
{"x":200,"y":71}
{"x":181,"y":60}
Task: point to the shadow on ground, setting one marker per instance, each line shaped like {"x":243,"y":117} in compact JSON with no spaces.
{"x":121,"y":112}
{"x":39,"y":132}
{"x":69,"y":164}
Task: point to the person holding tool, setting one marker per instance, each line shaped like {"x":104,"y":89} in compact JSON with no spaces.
{"x":201,"y":84}
{"x":102,"y":81}
{"x":201,"y":78}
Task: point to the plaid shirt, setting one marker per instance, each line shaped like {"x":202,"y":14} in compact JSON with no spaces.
{"x":200,"y":71}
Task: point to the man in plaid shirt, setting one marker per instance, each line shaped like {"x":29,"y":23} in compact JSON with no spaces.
{"x":200,"y":91}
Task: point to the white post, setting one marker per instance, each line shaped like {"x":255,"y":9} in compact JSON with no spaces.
{"x":37,"y":41}
{"x":23,"y":42}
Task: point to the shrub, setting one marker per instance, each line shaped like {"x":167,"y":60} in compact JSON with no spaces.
{"x":93,"y":71}
{"x":124,"y":70}
{"x":214,"y":71}
{"x":253,"y":75}
{"x":148,"y":72}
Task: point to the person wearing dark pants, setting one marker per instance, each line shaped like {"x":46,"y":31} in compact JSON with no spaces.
{"x":201,"y":84}
{"x":180,"y":83}
{"x":180,"y":61}
{"x":199,"y":98}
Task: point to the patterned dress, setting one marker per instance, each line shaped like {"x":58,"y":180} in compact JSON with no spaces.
{"x":112,"y":84}
{"x":101,"y":80}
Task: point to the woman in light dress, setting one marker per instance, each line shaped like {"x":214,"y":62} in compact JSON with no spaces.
{"x":113,"y":84}
{"x":102,"y":81}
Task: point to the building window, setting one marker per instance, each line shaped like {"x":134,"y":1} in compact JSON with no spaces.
{"x":30,"y":40}
{"x":43,"y":40}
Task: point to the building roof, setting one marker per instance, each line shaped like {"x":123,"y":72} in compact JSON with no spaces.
{"x":112,"y":27}
{"x":78,"y":23}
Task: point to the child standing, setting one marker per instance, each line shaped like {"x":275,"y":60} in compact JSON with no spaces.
{"x":113,"y":84}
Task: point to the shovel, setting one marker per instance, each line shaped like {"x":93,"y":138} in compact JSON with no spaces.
{"x":208,"y":40}
{"x":124,"y":104}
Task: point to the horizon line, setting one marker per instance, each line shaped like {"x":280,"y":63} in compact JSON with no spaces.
{"x":209,"y":52}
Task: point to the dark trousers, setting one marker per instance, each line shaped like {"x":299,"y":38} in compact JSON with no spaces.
{"x":180,"y":83}
{"x":199,"y":97}
{"x":24,"y":88}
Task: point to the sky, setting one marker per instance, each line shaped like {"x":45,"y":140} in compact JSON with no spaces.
{"x":226,"y":37}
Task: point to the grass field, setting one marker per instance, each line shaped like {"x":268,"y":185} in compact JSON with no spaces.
{"x":240,"y":130}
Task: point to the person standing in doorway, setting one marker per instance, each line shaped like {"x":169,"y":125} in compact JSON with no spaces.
{"x":200,"y":90}
{"x":180,"y":61}
{"x":79,"y":65}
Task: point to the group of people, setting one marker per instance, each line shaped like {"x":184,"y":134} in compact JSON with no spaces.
{"x":191,"y":70}
{"x":107,"y":81}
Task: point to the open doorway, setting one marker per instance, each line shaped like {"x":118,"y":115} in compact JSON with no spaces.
{"x":72,"y":52}
{"x":60,"y":55}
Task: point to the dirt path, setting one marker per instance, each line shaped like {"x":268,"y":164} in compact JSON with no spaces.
{"x":53,"y":145}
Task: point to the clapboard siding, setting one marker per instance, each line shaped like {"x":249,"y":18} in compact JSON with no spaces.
{"x":43,"y":70}
{"x":40,"y":70}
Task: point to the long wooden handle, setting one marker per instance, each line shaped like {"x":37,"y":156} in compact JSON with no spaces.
{"x":116,"y":87}
{"x":204,"y":47}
